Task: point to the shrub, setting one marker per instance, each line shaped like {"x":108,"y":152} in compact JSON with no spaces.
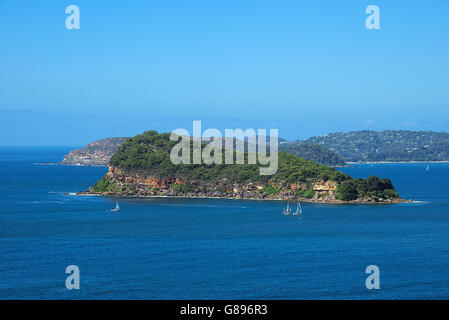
{"x":271,"y":190}
{"x":347,"y":191}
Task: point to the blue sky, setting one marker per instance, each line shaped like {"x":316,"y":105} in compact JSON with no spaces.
{"x":304,"y":67}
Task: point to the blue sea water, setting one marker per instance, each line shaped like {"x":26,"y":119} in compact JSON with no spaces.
{"x":216,"y":249}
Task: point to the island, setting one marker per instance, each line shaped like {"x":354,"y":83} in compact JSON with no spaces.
{"x":141,"y":167}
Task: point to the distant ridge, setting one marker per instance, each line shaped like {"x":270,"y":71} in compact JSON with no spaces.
{"x":99,"y":153}
{"x":389,"y":145}
{"x":313,"y":152}
{"x":334,"y":149}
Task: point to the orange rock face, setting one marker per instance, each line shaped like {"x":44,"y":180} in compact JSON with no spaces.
{"x":121,"y":178}
{"x":324,"y":186}
{"x":297,"y":186}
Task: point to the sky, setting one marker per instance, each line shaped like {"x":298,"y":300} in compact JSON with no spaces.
{"x":305,"y":68}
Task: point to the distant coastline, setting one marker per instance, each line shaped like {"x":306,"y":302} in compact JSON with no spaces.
{"x":397,"y":162}
{"x":69,"y":164}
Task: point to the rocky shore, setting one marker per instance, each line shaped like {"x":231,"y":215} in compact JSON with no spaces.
{"x":120,"y":183}
{"x":237,"y":197}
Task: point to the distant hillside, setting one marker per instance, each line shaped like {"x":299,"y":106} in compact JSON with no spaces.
{"x":97,"y":153}
{"x":309,"y":151}
{"x":391,"y":145}
{"x":313,"y":152}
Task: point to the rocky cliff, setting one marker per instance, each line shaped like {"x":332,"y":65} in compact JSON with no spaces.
{"x":120,"y":183}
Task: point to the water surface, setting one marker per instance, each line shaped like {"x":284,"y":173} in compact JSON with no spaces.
{"x":216,"y":249}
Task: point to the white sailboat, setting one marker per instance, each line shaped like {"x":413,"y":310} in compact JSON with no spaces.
{"x":298,"y":209}
{"x":117,"y":208}
{"x":287,"y":210}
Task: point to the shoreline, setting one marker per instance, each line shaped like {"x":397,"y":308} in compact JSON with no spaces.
{"x":68,"y":164}
{"x":355,"y":202}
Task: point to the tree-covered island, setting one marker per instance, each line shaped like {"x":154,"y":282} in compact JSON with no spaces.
{"x":142,"y":167}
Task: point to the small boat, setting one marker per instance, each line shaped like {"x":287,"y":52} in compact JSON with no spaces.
{"x":298,"y":209}
{"x":287,"y":211}
{"x":117,"y":208}
{"x":428,"y":167}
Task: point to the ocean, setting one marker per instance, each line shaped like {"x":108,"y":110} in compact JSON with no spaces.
{"x":160,"y":248}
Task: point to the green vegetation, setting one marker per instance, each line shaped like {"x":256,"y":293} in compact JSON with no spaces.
{"x":183,"y":188}
{"x":271,"y":190}
{"x":366,"y":188}
{"x":391,"y":145}
{"x":306,"y":193}
{"x":148,"y":154}
{"x":105,"y":184}
{"x":347,"y":191}
{"x":313,"y":152}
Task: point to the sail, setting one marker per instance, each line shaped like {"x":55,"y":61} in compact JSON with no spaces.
{"x":287,"y":209}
